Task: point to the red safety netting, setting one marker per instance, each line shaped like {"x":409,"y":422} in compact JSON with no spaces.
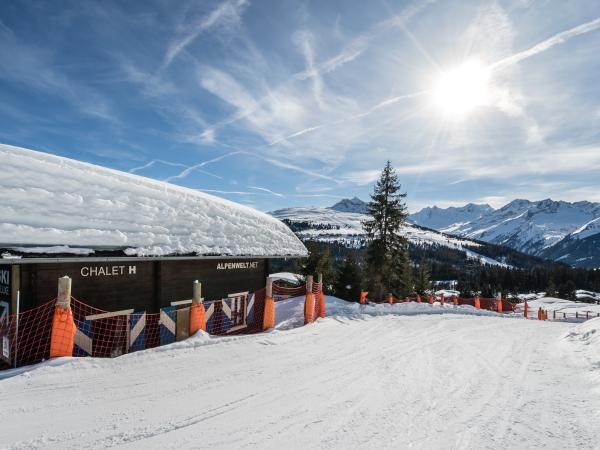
{"x":25,"y":338}
{"x":281,"y":292}
{"x":544,"y":314}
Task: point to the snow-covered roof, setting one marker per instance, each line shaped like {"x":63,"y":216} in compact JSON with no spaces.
{"x":52,"y":202}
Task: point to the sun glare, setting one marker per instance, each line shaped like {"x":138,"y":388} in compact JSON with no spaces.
{"x":459,"y":91}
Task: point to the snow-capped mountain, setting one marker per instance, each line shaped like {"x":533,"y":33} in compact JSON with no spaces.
{"x":330,"y":225}
{"x":352,"y":205}
{"x":559,"y":230}
{"x":438,"y":218}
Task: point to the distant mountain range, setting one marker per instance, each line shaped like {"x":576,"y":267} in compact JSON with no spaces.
{"x":345,"y":228}
{"x":555,"y":230}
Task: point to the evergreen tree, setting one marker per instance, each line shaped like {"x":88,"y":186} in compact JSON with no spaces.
{"x":348,"y":282}
{"x":387,"y":250}
{"x":551,"y":289}
{"x":422,"y":278}
{"x":319,"y":261}
{"x":567,"y":290}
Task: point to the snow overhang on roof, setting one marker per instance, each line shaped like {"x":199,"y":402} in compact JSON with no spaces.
{"x":56,"y":205}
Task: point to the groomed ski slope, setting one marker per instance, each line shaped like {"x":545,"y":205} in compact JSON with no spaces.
{"x":365,"y":377}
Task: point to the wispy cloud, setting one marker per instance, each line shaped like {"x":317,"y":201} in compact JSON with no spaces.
{"x":227,"y":13}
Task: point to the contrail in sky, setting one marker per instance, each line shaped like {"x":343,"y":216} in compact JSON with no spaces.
{"x":548,"y":43}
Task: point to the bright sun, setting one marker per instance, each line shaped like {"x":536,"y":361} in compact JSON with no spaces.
{"x":462,"y":89}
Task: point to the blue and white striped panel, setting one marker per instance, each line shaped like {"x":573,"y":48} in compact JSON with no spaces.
{"x":137,"y":332}
{"x":250,"y":310}
{"x":226,"y":307}
{"x":84,"y":338}
{"x":168,"y":320}
{"x":210,"y":317}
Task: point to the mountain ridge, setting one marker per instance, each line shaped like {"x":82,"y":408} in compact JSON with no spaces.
{"x":563,"y":231}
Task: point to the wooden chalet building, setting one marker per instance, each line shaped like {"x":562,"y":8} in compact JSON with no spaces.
{"x":125,"y":240}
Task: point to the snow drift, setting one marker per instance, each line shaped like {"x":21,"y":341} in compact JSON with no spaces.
{"x":50,"y":201}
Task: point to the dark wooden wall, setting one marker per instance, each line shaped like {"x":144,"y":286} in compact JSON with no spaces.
{"x":153,"y":285}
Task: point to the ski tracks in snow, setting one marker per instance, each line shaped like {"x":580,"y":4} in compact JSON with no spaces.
{"x":428,"y":381}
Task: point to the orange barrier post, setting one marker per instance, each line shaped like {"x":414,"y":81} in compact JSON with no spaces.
{"x":322,"y":304}
{"x":62,"y":337}
{"x":197,"y":311}
{"x":418,"y":298}
{"x":525,"y":309}
{"x":540,"y":313}
{"x":309,"y":301}
{"x":363,"y":297}
{"x":430,"y":299}
{"x":390,"y":299}
{"x":477,"y":303}
{"x":442,"y":300}
{"x":499,"y":305}
{"x":455,"y":300}
{"x":269,"y":313}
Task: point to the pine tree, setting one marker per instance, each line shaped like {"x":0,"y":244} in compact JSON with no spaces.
{"x":348,"y":283}
{"x":319,"y":262}
{"x":551,"y":290}
{"x":387,"y":250}
{"x":422,"y":279}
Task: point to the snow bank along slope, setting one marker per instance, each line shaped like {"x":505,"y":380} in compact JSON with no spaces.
{"x":52,"y":201}
{"x":358,"y":379}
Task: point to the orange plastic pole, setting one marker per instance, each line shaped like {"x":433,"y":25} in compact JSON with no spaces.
{"x":269,"y":312}
{"x":363,"y":297}
{"x":322,"y":304}
{"x":499,"y":304}
{"x":62,"y":337}
{"x":455,"y":300}
{"x":442,"y":300}
{"x":197,"y":311}
{"x":477,"y":303}
{"x":430,"y":300}
{"x":390,"y":299}
{"x":418,"y":298}
{"x":197,"y":318}
{"x":309,"y":301}
{"x":525,"y":309}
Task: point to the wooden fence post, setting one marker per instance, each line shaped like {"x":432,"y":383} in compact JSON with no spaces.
{"x":197,"y":311}
{"x":269,"y":313}
{"x":309,"y":301}
{"x":62,"y":337}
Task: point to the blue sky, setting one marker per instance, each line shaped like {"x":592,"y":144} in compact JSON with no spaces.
{"x":284,"y":103}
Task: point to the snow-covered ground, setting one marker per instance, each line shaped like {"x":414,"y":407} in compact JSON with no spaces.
{"x":365,"y":377}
